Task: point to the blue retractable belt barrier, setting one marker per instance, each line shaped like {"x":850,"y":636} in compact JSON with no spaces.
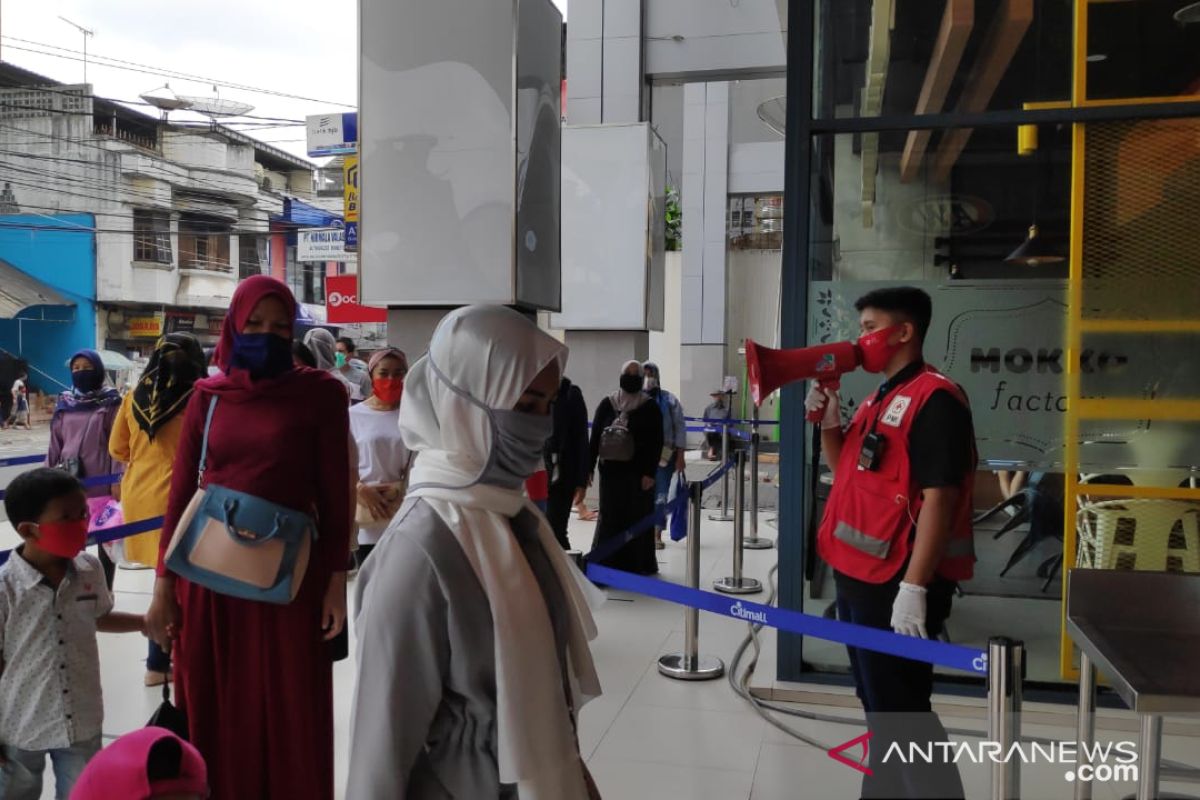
{"x":953,"y":656}
{"x":112,"y":534}
{"x":722,"y":421}
{"x":16,"y":461}
{"x":88,"y":483}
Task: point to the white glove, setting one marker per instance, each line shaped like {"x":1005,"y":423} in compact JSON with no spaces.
{"x":908,"y":612}
{"x":827,"y":400}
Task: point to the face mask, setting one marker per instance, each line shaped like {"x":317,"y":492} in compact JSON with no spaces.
{"x":87,"y":380}
{"x":651,"y":384}
{"x":388,"y":390}
{"x":876,"y":352}
{"x":63,"y":539}
{"x":339,"y":358}
{"x":631,"y":383}
{"x":519,"y":446}
{"x":263,"y":355}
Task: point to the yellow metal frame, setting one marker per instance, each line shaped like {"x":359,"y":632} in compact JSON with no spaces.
{"x":1079,"y":408}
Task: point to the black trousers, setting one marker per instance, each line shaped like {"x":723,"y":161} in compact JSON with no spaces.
{"x":558,"y":510}
{"x":895,"y":692}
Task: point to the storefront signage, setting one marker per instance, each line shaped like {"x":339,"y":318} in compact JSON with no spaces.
{"x":350,"y":202}
{"x":321,"y":244}
{"x":332,"y":134}
{"x":145,"y":327}
{"x":180,"y":323}
{"x":1004,"y":342}
{"x":341,"y":301}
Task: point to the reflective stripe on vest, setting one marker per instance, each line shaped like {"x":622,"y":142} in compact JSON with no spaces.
{"x":862,"y":542}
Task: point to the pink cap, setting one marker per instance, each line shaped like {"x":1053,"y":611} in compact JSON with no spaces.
{"x":121,"y":770}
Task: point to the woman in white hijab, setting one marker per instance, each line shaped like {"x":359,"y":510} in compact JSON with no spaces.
{"x":473,"y":656}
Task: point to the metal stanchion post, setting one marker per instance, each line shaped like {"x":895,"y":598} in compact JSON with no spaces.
{"x":690,"y":665}
{"x":724,"y":515}
{"x":1150,"y":750}
{"x":736,"y":584}
{"x":1006,"y":670}
{"x":754,"y":541}
{"x":1086,"y":731}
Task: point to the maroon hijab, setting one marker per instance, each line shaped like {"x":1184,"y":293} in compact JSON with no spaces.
{"x":236,"y":384}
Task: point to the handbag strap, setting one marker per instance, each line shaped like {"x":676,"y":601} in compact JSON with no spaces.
{"x":212,"y":408}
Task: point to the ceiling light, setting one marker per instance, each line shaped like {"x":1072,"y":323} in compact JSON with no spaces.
{"x":1189,"y":14}
{"x":1096,"y":58}
{"x":1034,"y":252}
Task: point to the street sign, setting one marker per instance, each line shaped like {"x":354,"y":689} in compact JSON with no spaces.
{"x":332,"y":134}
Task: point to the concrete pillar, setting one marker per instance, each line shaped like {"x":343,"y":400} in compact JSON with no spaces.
{"x":704,"y":199}
{"x":410,"y":329}
{"x":604,"y":62}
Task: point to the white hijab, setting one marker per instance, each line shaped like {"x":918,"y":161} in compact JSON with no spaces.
{"x":484,"y":357}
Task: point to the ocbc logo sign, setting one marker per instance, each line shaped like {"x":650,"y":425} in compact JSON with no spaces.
{"x":340,"y":298}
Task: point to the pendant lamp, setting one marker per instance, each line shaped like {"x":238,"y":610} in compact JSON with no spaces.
{"x":1034,"y":252}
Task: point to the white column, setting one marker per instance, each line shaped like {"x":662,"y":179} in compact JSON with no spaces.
{"x":704,"y":200}
{"x":604,"y":61}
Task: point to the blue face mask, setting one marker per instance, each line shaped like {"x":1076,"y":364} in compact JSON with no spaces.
{"x":263,"y":355}
{"x":87,"y":380}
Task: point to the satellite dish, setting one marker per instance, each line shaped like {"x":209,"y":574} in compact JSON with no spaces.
{"x":165,"y":100}
{"x":773,"y":114}
{"x":215,"y":106}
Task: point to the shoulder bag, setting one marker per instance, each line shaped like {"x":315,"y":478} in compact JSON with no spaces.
{"x":240,"y":545}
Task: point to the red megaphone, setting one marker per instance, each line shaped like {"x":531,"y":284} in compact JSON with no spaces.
{"x":767,"y":369}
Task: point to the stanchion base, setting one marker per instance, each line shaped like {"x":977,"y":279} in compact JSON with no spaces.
{"x":757,"y":543}
{"x":704,"y":668}
{"x":738,"y":586}
{"x":721,"y":517}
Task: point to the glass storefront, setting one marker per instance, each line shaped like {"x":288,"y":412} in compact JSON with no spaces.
{"x":1035,"y":166}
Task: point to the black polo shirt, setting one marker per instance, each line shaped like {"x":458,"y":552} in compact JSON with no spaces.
{"x":941,"y":443}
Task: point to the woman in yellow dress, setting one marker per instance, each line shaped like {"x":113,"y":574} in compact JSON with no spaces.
{"x":144,"y":436}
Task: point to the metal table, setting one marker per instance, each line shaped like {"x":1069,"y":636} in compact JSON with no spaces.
{"x":1143,"y":631}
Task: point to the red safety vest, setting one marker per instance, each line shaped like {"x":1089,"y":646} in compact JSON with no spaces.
{"x":867,"y":529}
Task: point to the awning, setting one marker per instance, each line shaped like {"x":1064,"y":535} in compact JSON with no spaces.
{"x":301,"y":214}
{"x":19,"y":291}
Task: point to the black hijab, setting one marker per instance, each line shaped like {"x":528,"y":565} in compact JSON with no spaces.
{"x":165,"y":386}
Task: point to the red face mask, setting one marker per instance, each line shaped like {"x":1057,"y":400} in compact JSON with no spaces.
{"x":388,"y":390}
{"x":63,"y":539}
{"x":876,"y":352}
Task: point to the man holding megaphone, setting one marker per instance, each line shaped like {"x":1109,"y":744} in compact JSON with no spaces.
{"x":897,"y":526}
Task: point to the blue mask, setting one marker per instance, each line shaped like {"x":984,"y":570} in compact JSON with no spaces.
{"x":263,"y":355}
{"x":87,"y":380}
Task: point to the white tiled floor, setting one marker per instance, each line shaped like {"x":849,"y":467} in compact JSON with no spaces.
{"x":647,"y":736}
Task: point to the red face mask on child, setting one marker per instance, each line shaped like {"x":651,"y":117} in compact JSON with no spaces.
{"x":875,"y":349}
{"x":388,"y":390}
{"x":63,"y":539}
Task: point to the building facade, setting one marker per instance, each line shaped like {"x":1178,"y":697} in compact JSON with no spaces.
{"x":181,"y":212}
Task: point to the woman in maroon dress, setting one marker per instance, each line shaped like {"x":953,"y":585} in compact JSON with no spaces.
{"x":255,"y":679}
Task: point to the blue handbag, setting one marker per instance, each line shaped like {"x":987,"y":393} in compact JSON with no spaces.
{"x":240,"y":545}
